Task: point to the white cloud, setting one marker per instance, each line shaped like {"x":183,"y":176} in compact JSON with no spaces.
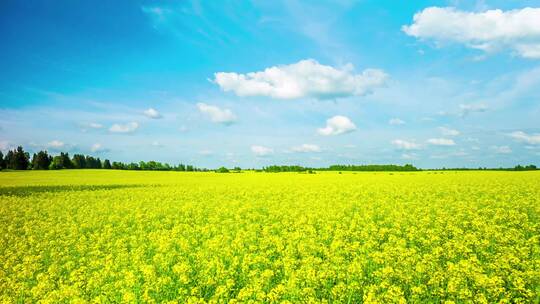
{"x":502,"y":149}
{"x":217,"y":115}
{"x":466,"y":109}
{"x":97,"y":147}
{"x":55,"y":144}
{"x":405,"y":145}
{"x":306,"y":148}
{"x":156,"y":144}
{"x":261,"y":150}
{"x":91,"y":125}
{"x":396,"y":121}
{"x":129,"y":127}
{"x":152,"y":113}
{"x":448,"y":132}
{"x":337,"y":125}
{"x":489,"y":31}
{"x":532,"y":139}
{"x":441,"y":142}
{"x":306,"y":78}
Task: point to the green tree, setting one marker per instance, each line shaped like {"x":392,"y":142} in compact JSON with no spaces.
{"x":181,"y":167}
{"x":41,"y":161}
{"x":2,"y":161}
{"x":66,"y":161}
{"x":8,"y":160}
{"x":57,"y":163}
{"x":133,"y":166}
{"x":222,"y":170}
{"x":118,"y":166}
{"x":107,"y":164}
{"x":79,"y":161}
{"x":19,"y":160}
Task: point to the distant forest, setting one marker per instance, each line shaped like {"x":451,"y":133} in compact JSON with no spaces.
{"x":18,"y":159}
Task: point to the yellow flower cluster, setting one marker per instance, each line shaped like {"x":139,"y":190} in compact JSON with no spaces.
{"x":168,"y":237}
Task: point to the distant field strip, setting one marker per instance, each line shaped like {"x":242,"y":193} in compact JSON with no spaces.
{"x":125,"y":236}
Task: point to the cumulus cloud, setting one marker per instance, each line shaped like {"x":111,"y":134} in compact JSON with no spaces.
{"x":502,"y":149}
{"x":517,"y":30}
{"x":152,"y":113}
{"x":261,"y":150}
{"x":448,"y":132}
{"x":129,"y":127}
{"x":396,"y":122}
{"x":337,"y":125}
{"x":217,"y":115}
{"x":531,"y":139}
{"x":405,"y":145}
{"x":441,"y":142}
{"x":306,"y":148}
{"x":306,"y":78}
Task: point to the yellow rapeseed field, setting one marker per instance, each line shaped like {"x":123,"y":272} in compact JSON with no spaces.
{"x":125,"y":236}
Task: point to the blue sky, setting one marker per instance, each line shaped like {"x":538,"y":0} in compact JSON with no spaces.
{"x":253,"y":83}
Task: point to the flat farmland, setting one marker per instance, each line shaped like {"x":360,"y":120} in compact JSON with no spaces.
{"x":129,"y":236}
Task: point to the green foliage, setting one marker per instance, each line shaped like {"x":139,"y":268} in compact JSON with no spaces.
{"x":79,"y":161}
{"x":2,"y":161}
{"x":92,"y":163}
{"x":222,"y":170}
{"x":17,"y":159}
{"x":107,"y":164}
{"x":342,"y":168}
{"x":41,"y":161}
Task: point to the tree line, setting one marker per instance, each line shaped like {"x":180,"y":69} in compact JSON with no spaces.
{"x":407,"y":167}
{"x":516,"y":168}
{"x":18,"y":159}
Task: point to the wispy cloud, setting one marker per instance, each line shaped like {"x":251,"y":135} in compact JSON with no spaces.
{"x":448,"y":132}
{"x":405,"y":145}
{"x":98,"y":148}
{"x":261,"y":150}
{"x":396,"y":122}
{"x":441,"y":142}
{"x":520,"y":136}
{"x":129,"y":127}
{"x":305,"y":148}
{"x":502,"y":149}
{"x":55,"y":144}
{"x":216,"y":114}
